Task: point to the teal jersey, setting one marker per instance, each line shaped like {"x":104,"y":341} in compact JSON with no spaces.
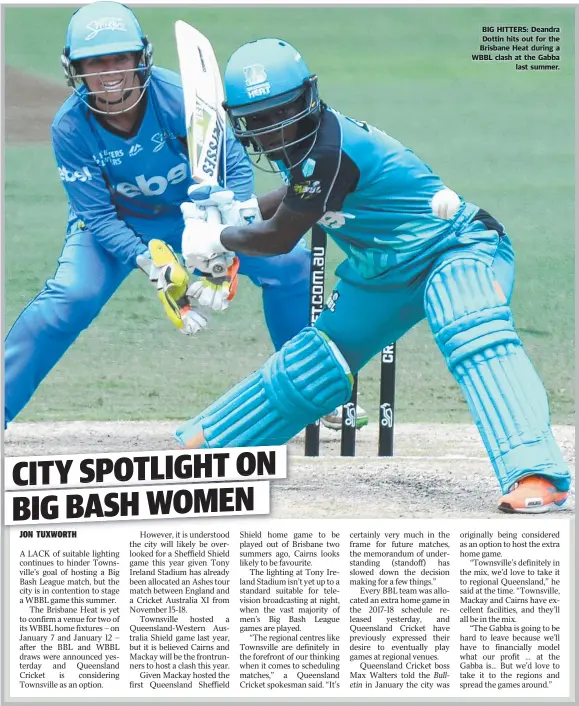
{"x":375,"y":195}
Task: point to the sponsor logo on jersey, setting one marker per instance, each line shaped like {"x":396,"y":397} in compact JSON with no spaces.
{"x":109,"y":157}
{"x":334,"y":219}
{"x":332,"y":300}
{"x":256,"y":83}
{"x":77,"y":175}
{"x":307,"y":189}
{"x":112,"y":24}
{"x":155,"y":185}
{"x":160,"y":139}
{"x":308,"y":167}
{"x":135,"y":149}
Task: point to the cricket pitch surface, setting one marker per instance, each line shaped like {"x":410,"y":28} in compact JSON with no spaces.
{"x":438,"y":471}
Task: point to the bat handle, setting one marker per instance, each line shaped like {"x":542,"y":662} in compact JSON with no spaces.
{"x":213,"y":215}
{"x":221,"y":265}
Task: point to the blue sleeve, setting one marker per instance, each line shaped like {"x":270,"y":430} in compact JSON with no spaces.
{"x":90,"y":198}
{"x":238,"y":169}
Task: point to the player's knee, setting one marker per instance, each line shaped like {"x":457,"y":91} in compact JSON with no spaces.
{"x":466,"y":310}
{"x":308,"y":376}
{"x":73,"y":306}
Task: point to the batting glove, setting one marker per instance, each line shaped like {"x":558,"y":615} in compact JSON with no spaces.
{"x":240,"y":213}
{"x":232,"y":212}
{"x":205,"y":195}
{"x":216,"y":293}
{"x":201,"y":244}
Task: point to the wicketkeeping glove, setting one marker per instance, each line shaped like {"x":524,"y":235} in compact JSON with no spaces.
{"x":170,"y":279}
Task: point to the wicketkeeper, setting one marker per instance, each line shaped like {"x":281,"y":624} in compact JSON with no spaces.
{"x":413,"y":248}
{"x":121,"y":151}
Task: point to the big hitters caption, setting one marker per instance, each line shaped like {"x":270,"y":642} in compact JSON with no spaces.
{"x":529,"y":48}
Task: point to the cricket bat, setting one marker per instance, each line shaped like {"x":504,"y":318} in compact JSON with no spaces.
{"x":204,"y":113}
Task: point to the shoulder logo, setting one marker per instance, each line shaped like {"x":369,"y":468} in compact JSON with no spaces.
{"x":256,"y":83}
{"x":112,"y":24}
{"x":308,"y":167}
{"x":307,"y":189}
{"x":71,"y":175}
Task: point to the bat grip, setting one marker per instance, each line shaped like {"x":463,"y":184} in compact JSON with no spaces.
{"x":220,"y":266}
{"x":213,"y":215}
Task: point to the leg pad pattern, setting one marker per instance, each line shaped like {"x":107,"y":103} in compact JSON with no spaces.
{"x":474,"y":330}
{"x":304,"y":380}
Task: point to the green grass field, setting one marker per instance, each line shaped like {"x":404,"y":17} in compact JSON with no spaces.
{"x":502,"y":138}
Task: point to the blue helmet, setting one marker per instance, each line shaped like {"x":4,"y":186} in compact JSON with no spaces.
{"x":99,"y":29}
{"x":269,"y":89}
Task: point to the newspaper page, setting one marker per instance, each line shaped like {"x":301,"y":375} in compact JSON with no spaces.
{"x":281,"y":422}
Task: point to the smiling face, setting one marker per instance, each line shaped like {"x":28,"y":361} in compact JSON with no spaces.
{"x":111,"y":80}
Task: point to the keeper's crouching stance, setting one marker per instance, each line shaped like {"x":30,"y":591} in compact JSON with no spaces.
{"x":121,"y":148}
{"x":414,"y":249}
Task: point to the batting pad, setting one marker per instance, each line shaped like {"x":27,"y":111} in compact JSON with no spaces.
{"x":473,"y":327}
{"x":307,"y":378}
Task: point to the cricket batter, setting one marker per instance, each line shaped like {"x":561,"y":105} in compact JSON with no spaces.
{"x":413,"y":249}
{"x":121,"y":151}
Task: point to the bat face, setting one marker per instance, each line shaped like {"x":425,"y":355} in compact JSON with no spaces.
{"x":203,"y":92}
{"x":204,"y":114}
{"x":205,"y":135}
